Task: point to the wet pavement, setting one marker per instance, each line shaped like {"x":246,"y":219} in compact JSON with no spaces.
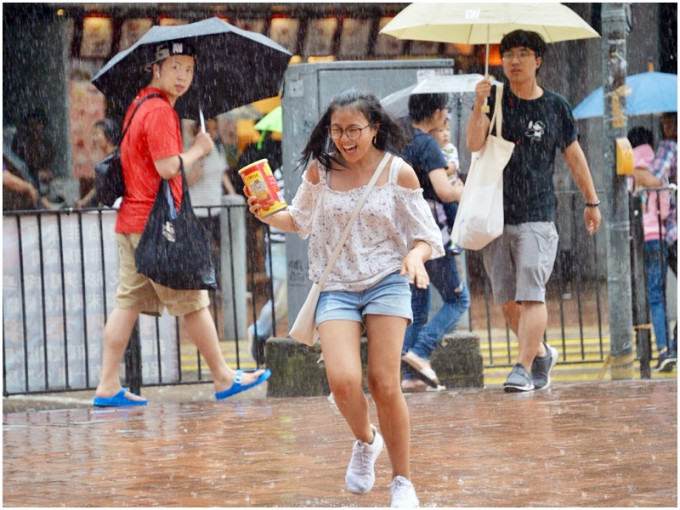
{"x":609,"y":444}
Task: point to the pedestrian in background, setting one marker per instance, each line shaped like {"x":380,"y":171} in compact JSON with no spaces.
{"x":521,"y":260}
{"x":208,"y":179}
{"x":368,"y":287}
{"x":30,"y":143}
{"x":655,"y":170}
{"x":151,"y":151}
{"x":428,"y":112}
{"x":666,"y":157}
{"x":655,"y":209}
{"x":106,"y":137}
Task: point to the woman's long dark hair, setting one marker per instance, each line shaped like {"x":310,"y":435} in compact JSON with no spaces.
{"x":390,"y":136}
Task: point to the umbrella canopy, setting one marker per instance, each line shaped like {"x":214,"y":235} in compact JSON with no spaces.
{"x":273,"y":121}
{"x":233,"y":67}
{"x":397,"y":102}
{"x":482,"y":23}
{"x":646,"y":93}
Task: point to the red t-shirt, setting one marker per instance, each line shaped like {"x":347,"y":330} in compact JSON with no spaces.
{"x":154,"y":134}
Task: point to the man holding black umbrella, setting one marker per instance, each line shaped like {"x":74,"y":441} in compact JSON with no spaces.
{"x":151,"y":151}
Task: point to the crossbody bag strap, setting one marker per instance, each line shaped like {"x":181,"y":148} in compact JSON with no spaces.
{"x":150,"y":96}
{"x":353,"y":218}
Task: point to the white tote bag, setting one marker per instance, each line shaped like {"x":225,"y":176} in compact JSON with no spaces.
{"x":479,"y":219}
{"x":304,"y":329}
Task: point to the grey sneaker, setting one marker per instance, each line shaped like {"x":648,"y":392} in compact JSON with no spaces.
{"x":360,"y":475}
{"x":403,"y":493}
{"x":518,"y":380}
{"x":542,"y":366}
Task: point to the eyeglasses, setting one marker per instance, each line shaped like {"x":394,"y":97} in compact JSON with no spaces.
{"x":521,"y":55}
{"x":352,"y":132}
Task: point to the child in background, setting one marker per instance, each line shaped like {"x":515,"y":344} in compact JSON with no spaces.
{"x":450,"y":152}
{"x":443,"y":136}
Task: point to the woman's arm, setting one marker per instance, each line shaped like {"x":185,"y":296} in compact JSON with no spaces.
{"x":414,"y":264}
{"x":196,"y":172}
{"x":228,"y":185}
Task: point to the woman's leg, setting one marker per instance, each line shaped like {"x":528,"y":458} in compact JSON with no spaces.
{"x":421,"y":301}
{"x":340,"y":344}
{"x":655,"y":258}
{"x":384,"y":358}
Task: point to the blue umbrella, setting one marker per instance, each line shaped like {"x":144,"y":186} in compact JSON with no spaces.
{"x":650,"y":92}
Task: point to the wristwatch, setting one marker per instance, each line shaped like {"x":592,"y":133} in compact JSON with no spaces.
{"x":593,"y":204}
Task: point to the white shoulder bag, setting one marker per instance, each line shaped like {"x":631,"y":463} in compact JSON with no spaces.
{"x":304,"y":328}
{"x":479,"y":219}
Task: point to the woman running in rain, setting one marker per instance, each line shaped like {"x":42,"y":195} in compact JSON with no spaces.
{"x":367,"y":290}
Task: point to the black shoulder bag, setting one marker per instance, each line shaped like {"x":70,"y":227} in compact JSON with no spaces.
{"x":174,"y":249}
{"x":108,"y":173}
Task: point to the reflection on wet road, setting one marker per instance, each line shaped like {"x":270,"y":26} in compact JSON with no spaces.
{"x":587,"y":444}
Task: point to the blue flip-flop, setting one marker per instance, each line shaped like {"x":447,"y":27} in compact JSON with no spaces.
{"x":237,"y":387}
{"x":118,"y":400}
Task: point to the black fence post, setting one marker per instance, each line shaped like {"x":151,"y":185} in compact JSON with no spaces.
{"x":638,"y":275}
{"x":133,"y":362}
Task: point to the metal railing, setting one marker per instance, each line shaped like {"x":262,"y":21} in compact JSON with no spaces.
{"x":59,"y":279}
{"x":61,"y":270}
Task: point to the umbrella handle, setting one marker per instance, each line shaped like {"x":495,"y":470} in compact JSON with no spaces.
{"x":485,"y":108}
{"x":202,"y":119}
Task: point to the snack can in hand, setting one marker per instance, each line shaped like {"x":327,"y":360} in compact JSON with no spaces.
{"x":260,"y":181}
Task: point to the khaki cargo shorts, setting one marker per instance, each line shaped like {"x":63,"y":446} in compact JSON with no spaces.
{"x":138,"y":292}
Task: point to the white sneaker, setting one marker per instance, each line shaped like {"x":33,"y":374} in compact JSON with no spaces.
{"x":360,"y":475}
{"x":403,"y":493}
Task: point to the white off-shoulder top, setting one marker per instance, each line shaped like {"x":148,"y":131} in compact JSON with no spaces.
{"x":391,"y":220}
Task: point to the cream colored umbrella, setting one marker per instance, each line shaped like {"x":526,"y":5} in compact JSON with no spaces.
{"x":482,"y":23}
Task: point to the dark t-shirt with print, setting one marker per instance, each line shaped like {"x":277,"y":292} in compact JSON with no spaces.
{"x":538,"y":127}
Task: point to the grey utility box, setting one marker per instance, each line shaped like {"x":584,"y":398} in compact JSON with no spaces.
{"x":308,"y":88}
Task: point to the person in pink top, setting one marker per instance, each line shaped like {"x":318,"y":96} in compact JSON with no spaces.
{"x":656,"y":207}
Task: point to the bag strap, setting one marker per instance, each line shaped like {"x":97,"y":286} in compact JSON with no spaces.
{"x":353,"y":218}
{"x":165,"y":188}
{"x":150,"y":96}
{"x":497,"y":118}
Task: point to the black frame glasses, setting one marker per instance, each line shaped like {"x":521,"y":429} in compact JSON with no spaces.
{"x":352,"y":132}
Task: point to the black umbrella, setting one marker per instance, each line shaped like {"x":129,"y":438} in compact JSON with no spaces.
{"x":233,"y":67}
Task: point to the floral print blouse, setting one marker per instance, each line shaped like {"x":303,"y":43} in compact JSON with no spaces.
{"x":391,"y":220}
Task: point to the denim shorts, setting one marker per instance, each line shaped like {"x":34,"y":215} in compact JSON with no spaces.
{"x":390,"y":296}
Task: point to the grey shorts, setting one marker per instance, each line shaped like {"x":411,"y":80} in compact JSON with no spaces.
{"x":520,"y":261}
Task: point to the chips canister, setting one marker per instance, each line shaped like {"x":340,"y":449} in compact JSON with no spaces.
{"x":260,"y":181}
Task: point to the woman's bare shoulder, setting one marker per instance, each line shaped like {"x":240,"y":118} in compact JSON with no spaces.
{"x":312,"y":172}
{"x":407,"y":177}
